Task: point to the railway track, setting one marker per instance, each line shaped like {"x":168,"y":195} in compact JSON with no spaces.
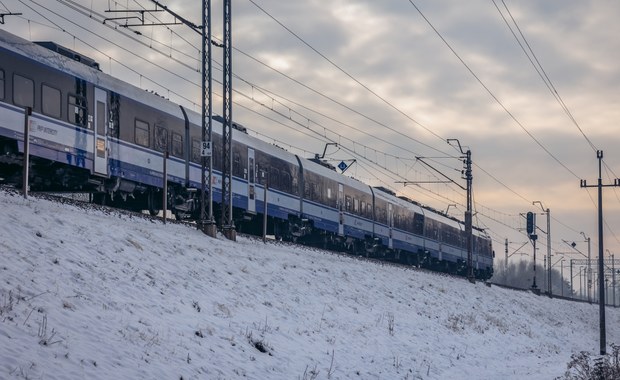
{"x":82,"y":200}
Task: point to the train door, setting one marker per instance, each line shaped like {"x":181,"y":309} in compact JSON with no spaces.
{"x":340,"y":209}
{"x":390,"y":224}
{"x":101,"y":138}
{"x":251,"y":181}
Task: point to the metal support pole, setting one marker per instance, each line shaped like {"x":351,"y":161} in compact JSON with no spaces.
{"x":227,"y":156}
{"x":549,"y":284}
{"x":613,"y":279}
{"x":165,"y":192}
{"x":207,"y":223}
{"x":265,"y":212}
{"x":571,"y":279}
{"x":580,"y":284}
{"x":545,"y":271}
{"x":601,"y":268}
{"x":26,"y":168}
{"x":562,"y":277}
{"x":534,"y":286}
{"x":468,"y":219}
{"x":547,"y":268}
{"x":589,"y":273}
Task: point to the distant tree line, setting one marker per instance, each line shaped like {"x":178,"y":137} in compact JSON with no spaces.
{"x":521,"y":274}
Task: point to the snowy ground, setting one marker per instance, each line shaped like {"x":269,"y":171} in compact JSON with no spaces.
{"x":86,"y":294}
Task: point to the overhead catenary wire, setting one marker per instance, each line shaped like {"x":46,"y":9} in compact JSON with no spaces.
{"x":542,"y":73}
{"x":383,"y":99}
{"x":493,"y":96}
{"x":540,"y":70}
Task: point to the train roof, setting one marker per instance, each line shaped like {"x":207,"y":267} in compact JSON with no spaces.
{"x":53,"y":59}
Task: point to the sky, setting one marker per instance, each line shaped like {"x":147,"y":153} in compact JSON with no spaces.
{"x":90,"y":293}
{"x":390,"y":81}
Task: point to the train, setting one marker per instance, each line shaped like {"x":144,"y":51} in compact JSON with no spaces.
{"x":93,"y":133}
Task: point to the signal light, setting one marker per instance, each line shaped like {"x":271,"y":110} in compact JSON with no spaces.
{"x":531,"y":223}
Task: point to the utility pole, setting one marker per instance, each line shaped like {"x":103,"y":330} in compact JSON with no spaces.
{"x":562,"y":276}
{"x":531,"y":233}
{"x":468,"y":219}
{"x":601,"y":277}
{"x":228,"y":225}
{"x":548,"y":213}
{"x":589,"y":268}
{"x":571,"y":278}
{"x":467,"y":175}
{"x":613,"y":278}
{"x":207,"y":222}
{"x":206,"y":205}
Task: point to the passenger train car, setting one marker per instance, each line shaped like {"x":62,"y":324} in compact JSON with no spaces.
{"x":93,"y":133}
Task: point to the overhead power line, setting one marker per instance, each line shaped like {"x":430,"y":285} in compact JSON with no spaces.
{"x":347,"y":73}
{"x":492,"y":94}
{"x":529,"y":53}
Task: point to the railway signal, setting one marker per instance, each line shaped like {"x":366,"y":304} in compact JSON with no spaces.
{"x":530,"y":223}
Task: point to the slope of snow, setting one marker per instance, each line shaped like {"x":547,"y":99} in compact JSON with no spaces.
{"x":100,"y":295}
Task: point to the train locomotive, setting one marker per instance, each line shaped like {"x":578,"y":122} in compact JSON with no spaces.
{"x":92,"y":133}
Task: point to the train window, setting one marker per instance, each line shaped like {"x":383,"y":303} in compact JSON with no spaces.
{"x":1,"y":84}
{"x":50,"y":101}
{"x":295,"y":183}
{"x":381,"y":214}
{"x":356,"y":205}
{"x":161,"y":138}
{"x":237,"y":171}
{"x":196,"y":157}
{"x":177,"y":145}
{"x":274,"y":178}
{"x":261,"y":174}
{"x":101,"y":126}
{"x":287,"y":185}
{"x":23,"y":91}
{"x":347,"y":203}
{"x":252,"y":170}
{"x":142,"y":133}
{"x":418,"y":224}
{"x":113,"y":116}
{"x":77,"y":110}
{"x":316,"y":192}
{"x":329,"y":193}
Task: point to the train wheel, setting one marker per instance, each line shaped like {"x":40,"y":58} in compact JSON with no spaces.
{"x":99,"y":199}
{"x":152,"y":203}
